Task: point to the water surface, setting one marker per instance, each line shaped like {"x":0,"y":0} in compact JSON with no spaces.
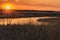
{"x":32,"y":20}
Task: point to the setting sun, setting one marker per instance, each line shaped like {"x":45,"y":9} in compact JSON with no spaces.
{"x":7,"y":7}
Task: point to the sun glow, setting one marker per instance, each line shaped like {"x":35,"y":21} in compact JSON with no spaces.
{"x":7,"y":7}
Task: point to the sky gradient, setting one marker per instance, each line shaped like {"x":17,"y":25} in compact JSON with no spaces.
{"x":34,"y":4}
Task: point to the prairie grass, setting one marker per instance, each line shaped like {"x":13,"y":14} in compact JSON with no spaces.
{"x":29,"y":32}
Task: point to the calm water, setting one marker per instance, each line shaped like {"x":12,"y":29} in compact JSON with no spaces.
{"x":32,"y":20}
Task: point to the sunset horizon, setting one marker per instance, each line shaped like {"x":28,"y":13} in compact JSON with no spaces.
{"x":29,"y":19}
{"x":29,"y":5}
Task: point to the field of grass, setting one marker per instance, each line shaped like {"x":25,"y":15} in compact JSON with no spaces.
{"x":29,"y":32}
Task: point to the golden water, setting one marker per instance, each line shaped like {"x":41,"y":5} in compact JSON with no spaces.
{"x":22,"y":21}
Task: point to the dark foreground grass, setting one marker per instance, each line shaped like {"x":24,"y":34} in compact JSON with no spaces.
{"x":29,"y":32}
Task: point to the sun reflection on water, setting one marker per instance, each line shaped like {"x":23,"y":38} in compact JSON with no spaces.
{"x":22,"y":21}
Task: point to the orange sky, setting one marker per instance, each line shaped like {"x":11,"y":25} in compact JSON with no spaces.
{"x":34,"y":4}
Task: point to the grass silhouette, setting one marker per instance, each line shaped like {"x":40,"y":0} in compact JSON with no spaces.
{"x":29,"y":32}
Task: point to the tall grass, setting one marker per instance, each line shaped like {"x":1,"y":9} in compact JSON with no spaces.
{"x":29,"y":32}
